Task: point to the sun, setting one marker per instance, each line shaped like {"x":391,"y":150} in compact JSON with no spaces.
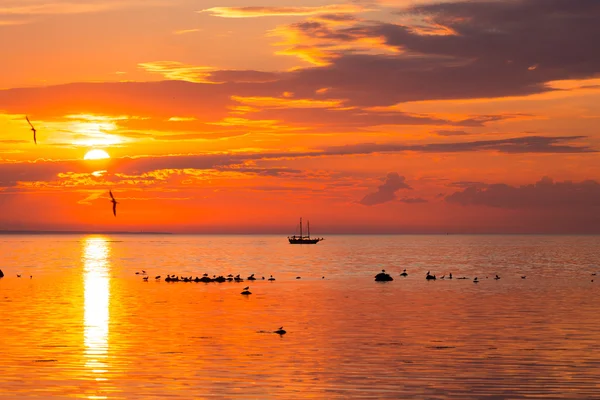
{"x":96,"y":154}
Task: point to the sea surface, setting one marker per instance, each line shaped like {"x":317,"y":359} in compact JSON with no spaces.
{"x":85,"y":325}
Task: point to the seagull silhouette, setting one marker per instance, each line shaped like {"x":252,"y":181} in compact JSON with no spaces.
{"x":114,"y":202}
{"x":32,"y":128}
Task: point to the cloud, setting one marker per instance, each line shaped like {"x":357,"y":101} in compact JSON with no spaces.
{"x":252,"y":12}
{"x":482,"y":39}
{"x":11,"y":173}
{"x":543,"y":194}
{"x":451,"y":133}
{"x":525,"y":144}
{"x":387,"y":191}
{"x":175,"y":70}
{"x":80,"y":7}
{"x":413,"y":200}
{"x":184,"y":31}
{"x":251,"y":94}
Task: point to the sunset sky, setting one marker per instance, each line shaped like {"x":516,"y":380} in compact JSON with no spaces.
{"x":390,"y":116}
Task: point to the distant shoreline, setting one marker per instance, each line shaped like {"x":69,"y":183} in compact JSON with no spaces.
{"x":81,"y":233}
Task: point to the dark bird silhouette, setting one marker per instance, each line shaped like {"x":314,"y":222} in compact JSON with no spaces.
{"x":475,"y":280}
{"x":18,"y":275}
{"x":157,"y":277}
{"x":430,"y":277}
{"x":145,"y":278}
{"x":523,"y":277}
{"x":280,"y":331}
{"x":114,"y":202}
{"x":404,"y":273}
{"x":271,"y":278}
{"x":32,"y":129}
{"x":246,"y":291}
{"x":247,"y":287}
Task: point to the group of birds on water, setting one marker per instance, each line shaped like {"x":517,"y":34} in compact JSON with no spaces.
{"x":205,"y":278}
{"x":385,"y":277}
{"x":220,"y":279}
{"x":112,"y":198}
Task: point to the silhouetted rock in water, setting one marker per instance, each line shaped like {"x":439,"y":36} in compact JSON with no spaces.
{"x":280,"y":331}
{"x":220,"y":279}
{"x":1,"y":274}
{"x":246,"y":292}
{"x":383,"y":277}
{"x":297,"y":277}
{"x":205,"y":279}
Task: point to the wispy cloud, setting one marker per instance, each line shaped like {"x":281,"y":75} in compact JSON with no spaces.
{"x":175,"y":70}
{"x":79,"y":7}
{"x":286,"y":102}
{"x":184,"y":31}
{"x":252,"y":12}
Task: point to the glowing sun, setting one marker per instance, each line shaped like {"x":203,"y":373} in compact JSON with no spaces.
{"x":96,"y":154}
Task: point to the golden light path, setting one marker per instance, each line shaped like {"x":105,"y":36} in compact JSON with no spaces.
{"x":95,"y":255}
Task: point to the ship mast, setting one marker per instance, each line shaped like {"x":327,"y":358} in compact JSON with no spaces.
{"x":300,"y":227}
{"x":308,"y":227}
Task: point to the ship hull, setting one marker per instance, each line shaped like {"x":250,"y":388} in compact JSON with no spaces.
{"x":304,"y":241}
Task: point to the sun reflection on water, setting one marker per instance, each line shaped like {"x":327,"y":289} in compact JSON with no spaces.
{"x":95,"y":255}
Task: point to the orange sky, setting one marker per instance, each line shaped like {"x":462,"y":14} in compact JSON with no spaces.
{"x":364,"y":116}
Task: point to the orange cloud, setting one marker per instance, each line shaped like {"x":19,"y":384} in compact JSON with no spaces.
{"x":277,"y":102}
{"x":184,"y":31}
{"x":80,"y":7}
{"x":177,"y":71}
{"x":252,"y":12}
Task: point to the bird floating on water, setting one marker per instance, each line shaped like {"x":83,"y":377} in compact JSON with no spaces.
{"x":114,"y":202}
{"x":280,"y":331}
{"x":404,"y":273}
{"x":246,"y":291}
{"x":32,"y":129}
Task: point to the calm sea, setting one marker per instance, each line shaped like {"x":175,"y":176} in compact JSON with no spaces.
{"x":86,"y":326}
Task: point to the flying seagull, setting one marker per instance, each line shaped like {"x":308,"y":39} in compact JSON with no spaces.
{"x":114,"y":202}
{"x":32,"y":128}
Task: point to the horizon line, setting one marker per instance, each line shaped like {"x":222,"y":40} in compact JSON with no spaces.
{"x":92,"y":232}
